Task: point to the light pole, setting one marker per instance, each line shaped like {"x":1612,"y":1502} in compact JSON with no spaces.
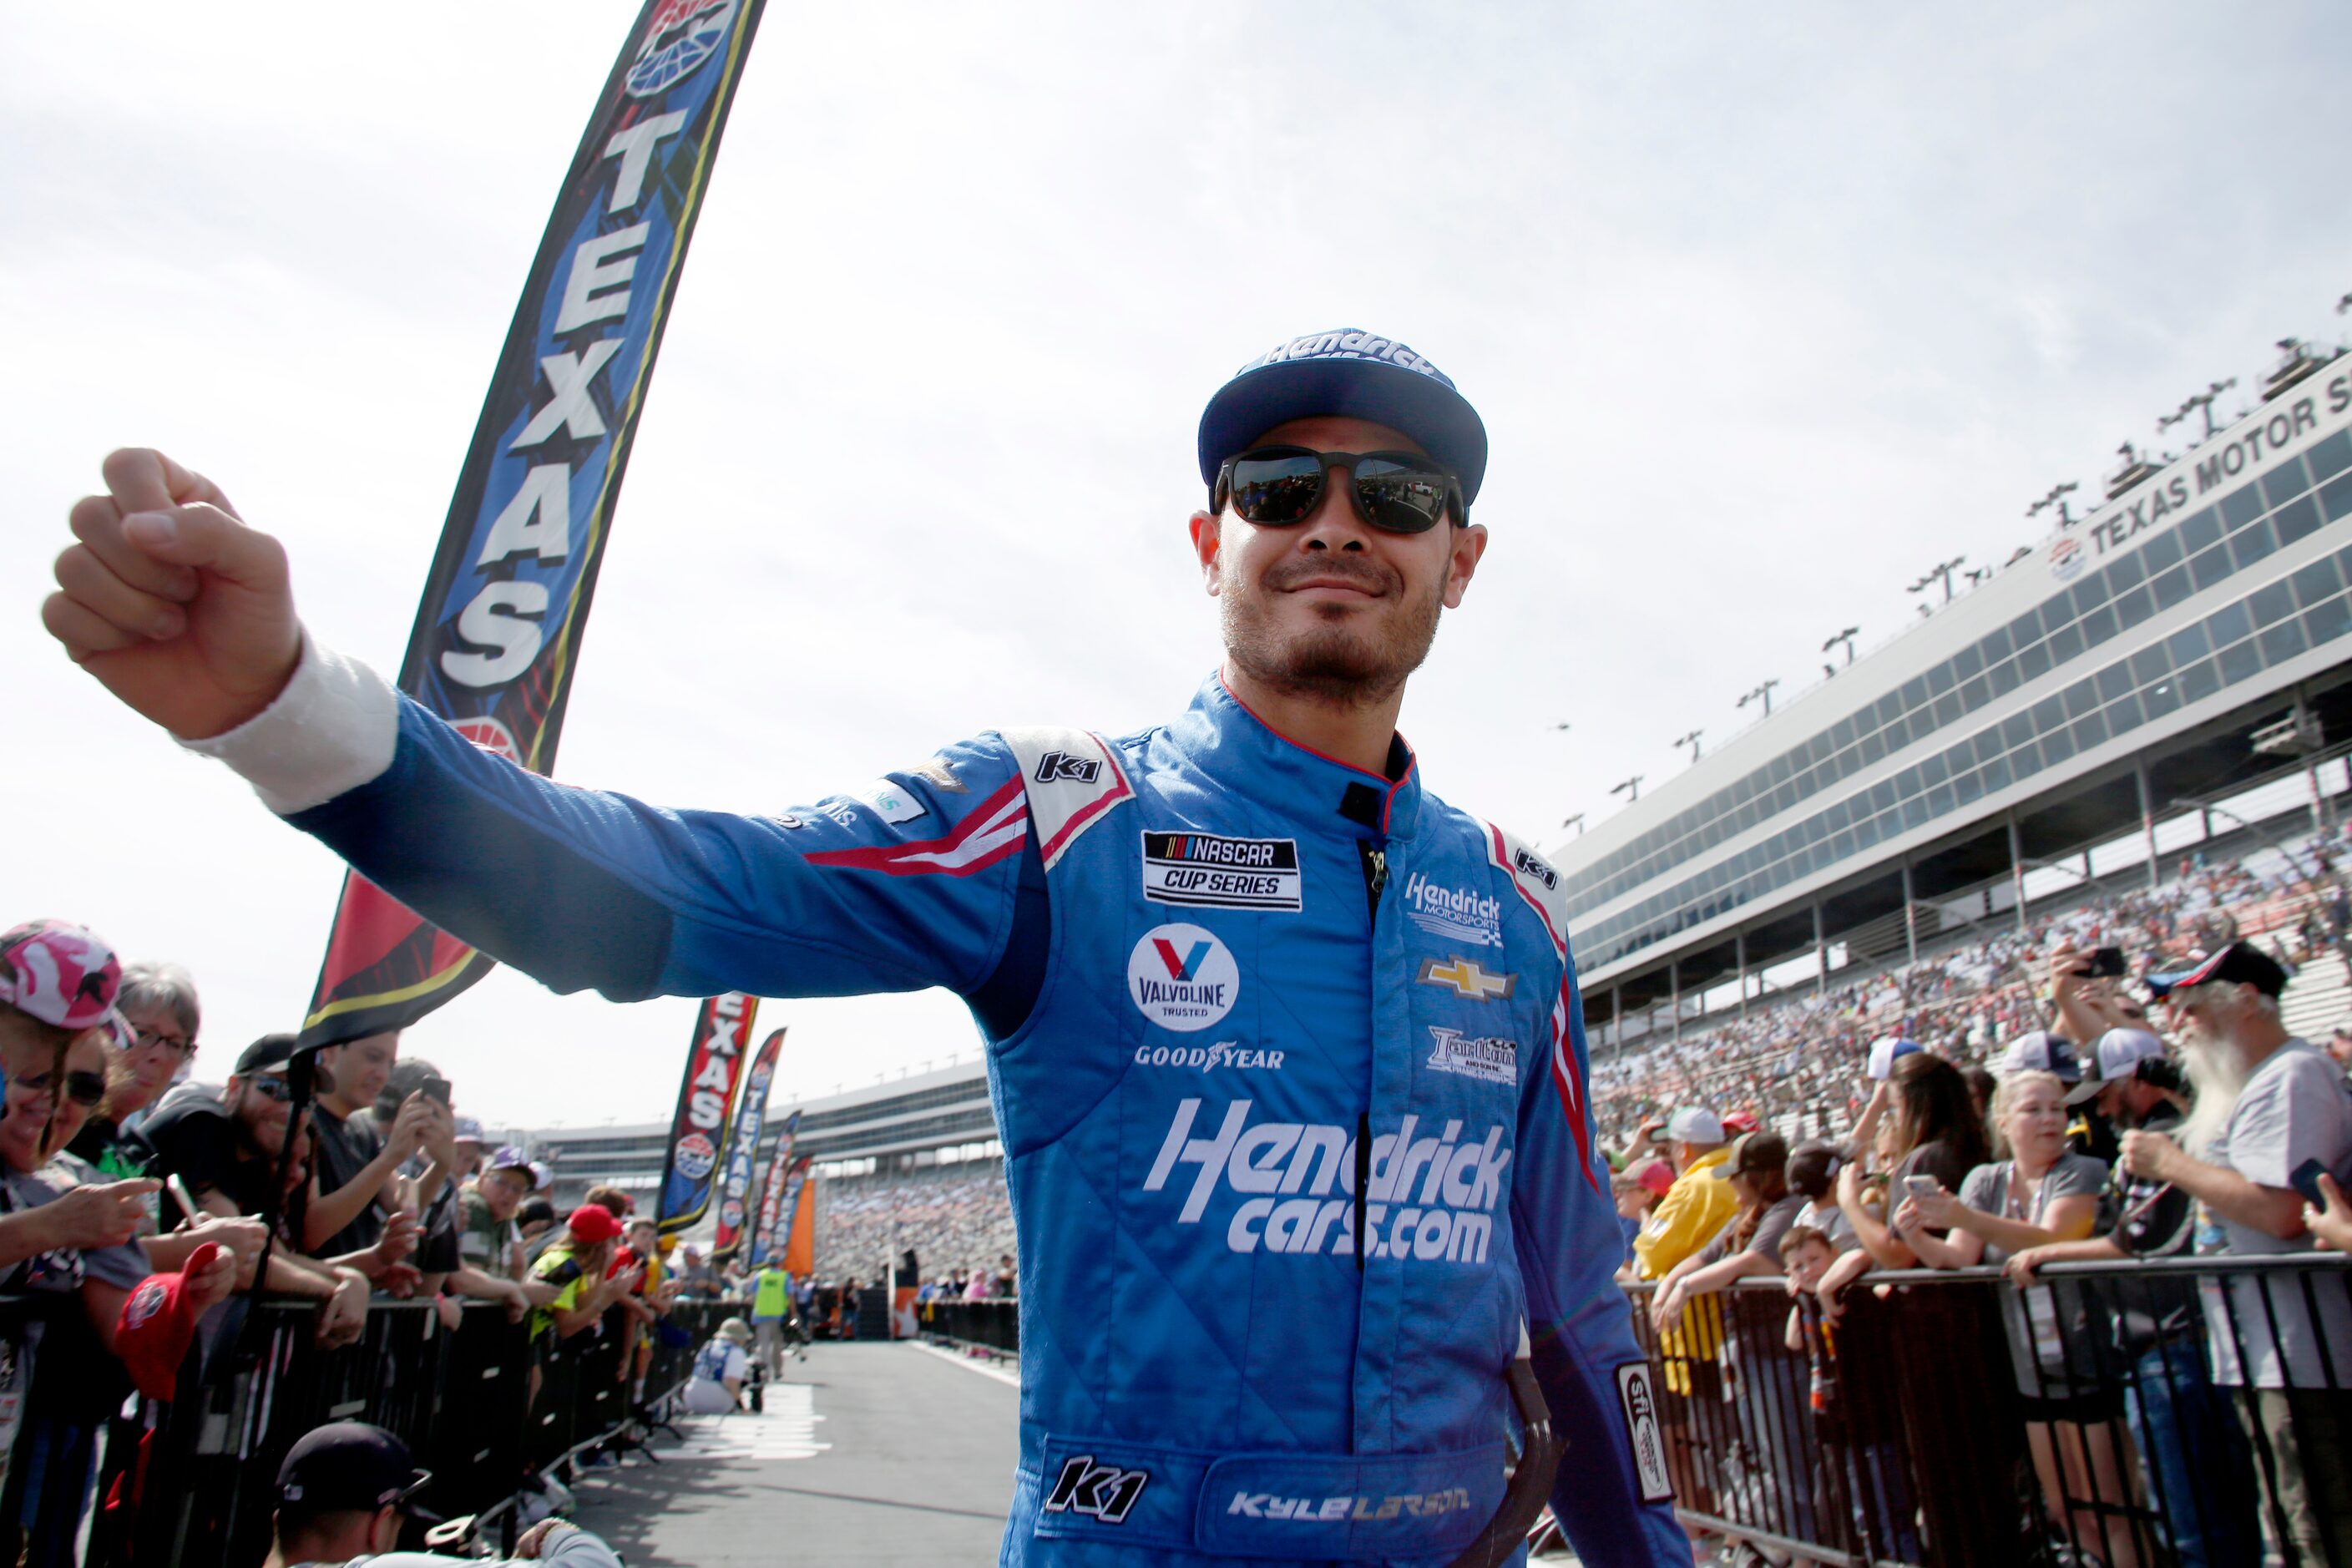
{"x":1761,"y":694}
{"x":1691,"y":740}
{"x":1845,"y":636}
{"x":2201,"y":403}
{"x":1942,"y":570}
{"x":1631,"y":789}
{"x":2056,"y":498}
{"x":1576,"y":821}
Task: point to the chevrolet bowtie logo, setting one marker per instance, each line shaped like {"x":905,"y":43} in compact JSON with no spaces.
{"x":1467,"y":979}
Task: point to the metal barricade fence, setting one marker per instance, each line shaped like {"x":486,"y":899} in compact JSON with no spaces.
{"x":992,"y":1325}
{"x":2180,"y":1410}
{"x":193,"y":1480}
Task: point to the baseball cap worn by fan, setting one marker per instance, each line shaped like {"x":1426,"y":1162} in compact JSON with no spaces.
{"x":1754,"y":1152}
{"x":349,"y":1465}
{"x":2117,"y":1055}
{"x":64,"y":974}
{"x":1352,"y":373}
{"x":510,"y":1158}
{"x":2240,"y":964}
{"x":593,"y":1223}
{"x":270,"y":1053}
{"x":2039,"y":1050}
{"x":1654,"y":1176}
{"x":1883,"y":1051}
{"x":1694,"y":1125}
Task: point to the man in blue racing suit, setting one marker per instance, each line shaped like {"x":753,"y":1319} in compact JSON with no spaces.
{"x":1287,"y":1054}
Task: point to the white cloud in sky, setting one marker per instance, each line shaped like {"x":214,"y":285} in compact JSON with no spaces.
{"x":1765,"y":309}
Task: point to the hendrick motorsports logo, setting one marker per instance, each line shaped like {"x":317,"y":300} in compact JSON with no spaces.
{"x":685,"y":34}
{"x":1181,"y":977}
{"x":694,"y":1157}
{"x":1454,"y":914}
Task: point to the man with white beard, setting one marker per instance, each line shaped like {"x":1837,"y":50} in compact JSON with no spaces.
{"x":2289,"y":1107}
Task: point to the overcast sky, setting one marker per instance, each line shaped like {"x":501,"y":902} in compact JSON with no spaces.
{"x":1766,"y":309}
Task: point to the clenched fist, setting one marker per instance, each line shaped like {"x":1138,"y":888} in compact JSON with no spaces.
{"x":178,"y":608}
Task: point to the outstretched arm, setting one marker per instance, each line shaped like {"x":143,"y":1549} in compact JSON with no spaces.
{"x":188,"y":616}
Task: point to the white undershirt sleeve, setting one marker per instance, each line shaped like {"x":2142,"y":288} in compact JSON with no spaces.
{"x":332,"y":729}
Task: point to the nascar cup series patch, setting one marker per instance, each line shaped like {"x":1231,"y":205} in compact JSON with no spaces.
{"x":1181,"y":977}
{"x":1202,"y":868}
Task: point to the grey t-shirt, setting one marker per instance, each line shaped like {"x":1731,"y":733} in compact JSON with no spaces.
{"x":1993,"y":1189}
{"x":2038,"y":1352}
{"x":1769,"y":1229}
{"x":2294,"y":1107}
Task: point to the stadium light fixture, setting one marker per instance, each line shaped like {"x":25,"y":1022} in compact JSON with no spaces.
{"x":2200,"y":403}
{"x":1576,"y":821}
{"x":1761,"y":694}
{"x":1942,"y":571}
{"x":1691,"y":740}
{"x":1631,"y":789}
{"x":2056,"y":498}
{"x":1845,"y":636}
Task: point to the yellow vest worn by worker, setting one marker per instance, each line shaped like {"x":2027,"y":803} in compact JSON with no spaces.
{"x":772,"y":1296}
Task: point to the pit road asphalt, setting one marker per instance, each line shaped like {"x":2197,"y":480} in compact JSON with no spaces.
{"x":869,"y":1456}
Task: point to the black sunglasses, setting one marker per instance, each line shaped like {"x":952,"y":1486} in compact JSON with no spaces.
{"x":269,"y":1085}
{"x":1397,"y":492}
{"x":81,"y":1088}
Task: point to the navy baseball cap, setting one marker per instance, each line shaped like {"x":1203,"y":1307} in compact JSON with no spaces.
{"x":2240,"y":964}
{"x":1356,"y":375}
{"x":349,"y":1465}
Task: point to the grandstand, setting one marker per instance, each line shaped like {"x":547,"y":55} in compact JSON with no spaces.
{"x":2168,"y":674}
{"x":914,"y":1158}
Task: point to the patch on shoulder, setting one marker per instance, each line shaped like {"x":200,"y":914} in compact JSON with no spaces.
{"x":1072,"y":778}
{"x":1538,"y":881}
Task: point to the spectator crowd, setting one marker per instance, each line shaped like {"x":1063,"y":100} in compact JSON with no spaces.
{"x":136,"y":1201}
{"x":2112,"y":1084}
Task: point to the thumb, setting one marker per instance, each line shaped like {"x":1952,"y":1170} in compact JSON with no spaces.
{"x":208,"y":538}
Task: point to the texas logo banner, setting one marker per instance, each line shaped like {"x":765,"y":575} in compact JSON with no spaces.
{"x":772,"y":1191}
{"x":744,"y":1147}
{"x":497,"y":631}
{"x":705,"y":1104}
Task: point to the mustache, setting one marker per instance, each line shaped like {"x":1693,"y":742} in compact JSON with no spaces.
{"x":1356,"y":568}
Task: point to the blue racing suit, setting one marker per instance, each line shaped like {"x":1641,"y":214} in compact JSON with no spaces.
{"x":1243,"y":1005}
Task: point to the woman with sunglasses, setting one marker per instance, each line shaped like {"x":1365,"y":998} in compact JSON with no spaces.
{"x":158,"y":1002}
{"x":76,"y":1380}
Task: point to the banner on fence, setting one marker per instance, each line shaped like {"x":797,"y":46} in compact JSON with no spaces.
{"x":498,"y":633}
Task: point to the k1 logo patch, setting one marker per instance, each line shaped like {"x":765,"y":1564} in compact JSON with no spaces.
{"x":1055,"y":767}
{"x":1202,"y":868}
{"x":1104,"y":1491}
{"x":1181,"y":977}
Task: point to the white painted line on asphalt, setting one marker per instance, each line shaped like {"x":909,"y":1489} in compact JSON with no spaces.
{"x":787,"y":1430}
{"x":970,"y":1363}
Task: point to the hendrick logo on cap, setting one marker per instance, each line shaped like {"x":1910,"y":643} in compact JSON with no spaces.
{"x":1348,"y":342}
